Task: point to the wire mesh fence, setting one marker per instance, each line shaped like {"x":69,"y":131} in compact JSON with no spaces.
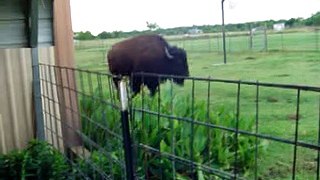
{"x":255,"y":39}
{"x":101,"y":154}
{"x":208,"y":129}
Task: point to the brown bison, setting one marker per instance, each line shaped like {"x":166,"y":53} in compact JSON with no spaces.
{"x":149,"y":54}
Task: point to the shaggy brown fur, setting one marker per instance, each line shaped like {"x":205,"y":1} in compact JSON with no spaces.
{"x":146,"y":53}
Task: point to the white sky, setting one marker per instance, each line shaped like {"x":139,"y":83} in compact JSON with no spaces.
{"x":127,"y":15}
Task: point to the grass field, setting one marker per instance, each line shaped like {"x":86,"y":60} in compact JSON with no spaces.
{"x":292,"y":58}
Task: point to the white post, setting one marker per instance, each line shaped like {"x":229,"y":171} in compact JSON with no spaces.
{"x":123,"y":95}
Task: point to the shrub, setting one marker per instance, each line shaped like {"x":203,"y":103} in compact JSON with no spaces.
{"x":183,"y":138}
{"x":98,"y":166}
{"x":38,"y":161}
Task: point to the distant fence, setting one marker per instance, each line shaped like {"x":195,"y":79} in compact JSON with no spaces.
{"x":259,"y":40}
{"x":209,"y":129}
{"x":304,"y":39}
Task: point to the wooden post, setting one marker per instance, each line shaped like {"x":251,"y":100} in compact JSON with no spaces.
{"x":63,"y":40}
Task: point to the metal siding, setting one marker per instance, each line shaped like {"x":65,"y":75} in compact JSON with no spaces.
{"x":45,"y":9}
{"x":14,"y":23}
{"x":45,"y":32}
{"x":13,"y":9}
{"x":51,"y":116}
{"x":12,"y":34}
{"x":16,"y":96}
{"x":16,"y":117}
{"x":45,"y":37}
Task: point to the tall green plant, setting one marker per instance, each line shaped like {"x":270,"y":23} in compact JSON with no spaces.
{"x":182,"y":138}
{"x":38,"y":161}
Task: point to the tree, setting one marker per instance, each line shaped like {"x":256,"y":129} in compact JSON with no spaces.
{"x":291,"y":22}
{"x":84,"y":35}
{"x":116,"y":34}
{"x":152,"y":26}
{"x":314,"y":20}
{"x":104,"y":35}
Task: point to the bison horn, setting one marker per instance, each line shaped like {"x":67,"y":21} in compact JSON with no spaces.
{"x":167,"y":53}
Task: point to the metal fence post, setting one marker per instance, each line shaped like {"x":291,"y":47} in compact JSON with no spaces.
{"x":223,"y":34}
{"x":250,"y":38}
{"x":317,"y":38}
{"x":265,"y":39}
{"x":33,"y":43}
{"x":126,"y":130}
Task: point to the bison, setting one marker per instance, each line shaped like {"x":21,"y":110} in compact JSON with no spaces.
{"x":149,"y":54}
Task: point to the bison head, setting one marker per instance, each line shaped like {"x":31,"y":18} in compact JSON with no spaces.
{"x":178,"y":63}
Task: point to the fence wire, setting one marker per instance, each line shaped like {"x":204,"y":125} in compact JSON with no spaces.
{"x":208,"y":129}
{"x":255,"y":39}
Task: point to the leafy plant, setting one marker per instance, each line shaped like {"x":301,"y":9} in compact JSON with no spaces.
{"x":38,"y":161}
{"x":184,"y":138}
{"x":99,"y":166}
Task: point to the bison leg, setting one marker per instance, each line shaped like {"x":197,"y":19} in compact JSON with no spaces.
{"x":135,"y":85}
{"x":116,"y":82}
{"x":152,"y":86}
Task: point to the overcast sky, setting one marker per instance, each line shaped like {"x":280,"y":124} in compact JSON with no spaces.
{"x":127,"y":15}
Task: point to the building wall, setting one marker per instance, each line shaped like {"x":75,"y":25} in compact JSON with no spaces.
{"x":16,"y":98}
{"x":17,"y":121}
{"x":16,"y":95}
{"x":14,"y":23}
{"x":279,"y":27}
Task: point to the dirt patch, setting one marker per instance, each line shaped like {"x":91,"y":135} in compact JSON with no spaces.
{"x":293,"y":116}
{"x":290,"y":101}
{"x":250,"y":58}
{"x":274,"y":50}
{"x":280,"y":170}
{"x":272,"y":99}
{"x":310,"y":166}
{"x":281,"y":75}
{"x":283,"y":170}
{"x":205,"y":67}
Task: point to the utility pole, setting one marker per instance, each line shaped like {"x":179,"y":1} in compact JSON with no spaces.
{"x":223,"y":35}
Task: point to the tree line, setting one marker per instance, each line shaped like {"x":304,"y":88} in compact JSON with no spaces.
{"x":314,"y":20}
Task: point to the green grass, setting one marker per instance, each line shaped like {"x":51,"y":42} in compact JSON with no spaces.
{"x":292,"y":59}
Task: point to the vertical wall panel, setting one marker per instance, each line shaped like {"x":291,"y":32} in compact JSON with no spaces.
{"x":16,"y":97}
{"x":50,"y":102}
{"x":64,"y":55}
{"x":16,"y":106}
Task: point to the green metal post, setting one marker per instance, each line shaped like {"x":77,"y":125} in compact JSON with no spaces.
{"x":223,"y":35}
{"x":33,"y":43}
